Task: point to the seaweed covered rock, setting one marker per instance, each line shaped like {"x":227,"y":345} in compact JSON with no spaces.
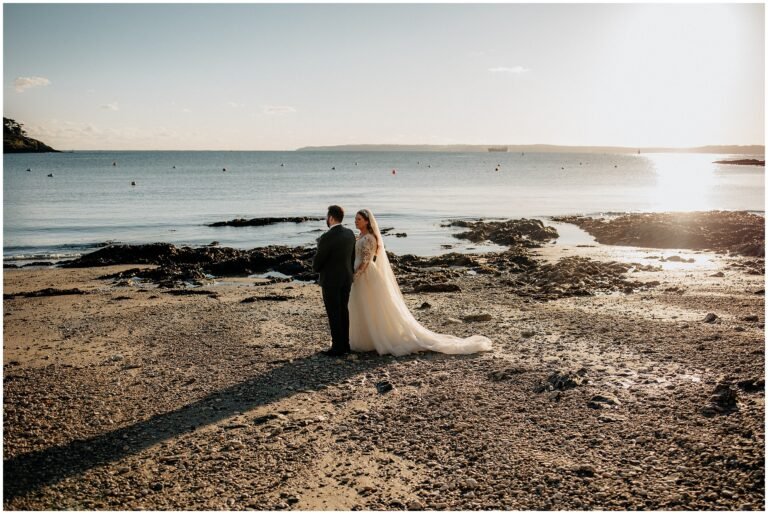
{"x":740,"y":233}
{"x":520,"y":232}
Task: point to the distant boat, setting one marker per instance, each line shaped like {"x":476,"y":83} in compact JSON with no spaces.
{"x":498,"y":148}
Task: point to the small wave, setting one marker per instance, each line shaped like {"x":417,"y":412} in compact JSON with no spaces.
{"x":45,"y":256}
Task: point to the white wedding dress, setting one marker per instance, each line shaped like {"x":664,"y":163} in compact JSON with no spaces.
{"x":379,"y":318}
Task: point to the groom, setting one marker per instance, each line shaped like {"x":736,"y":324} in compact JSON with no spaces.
{"x":333,"y":260}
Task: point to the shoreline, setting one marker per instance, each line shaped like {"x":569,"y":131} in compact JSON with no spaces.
{"x":575,"y":232}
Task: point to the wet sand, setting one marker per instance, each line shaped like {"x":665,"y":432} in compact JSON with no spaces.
{"x":128,"y":397}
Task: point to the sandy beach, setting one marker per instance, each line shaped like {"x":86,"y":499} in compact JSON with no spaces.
{"x":637,"y":385}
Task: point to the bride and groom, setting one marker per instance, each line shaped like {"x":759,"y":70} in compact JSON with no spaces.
{"x":366,"y":310}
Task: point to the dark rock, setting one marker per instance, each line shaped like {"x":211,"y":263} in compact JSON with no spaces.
{"x":600,"y":401}
{"x":268,"y":298}
{"x":260,"y":222}
{"x":192,"y":292}
{"x":506,"y":373}
{"x":521,"y":232}
{"x":185,"y":264}
{"x":384,"y":386}
{"x":425,"y":305}
{"x":477,"y":317}
{"x":751,"y":317}
{"x":563,"y":381}
{"x":738,"y":232}
{"x":45,"y":292}
{"x":743,"y":162}
{"x":722,"y":401}
{"x":436,"y":288}
{"x":710,"y":318}
{"x":38,"y":264}
{"x":752,"y":385}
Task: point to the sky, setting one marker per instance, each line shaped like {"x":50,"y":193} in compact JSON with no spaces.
{"x":283,"y":76}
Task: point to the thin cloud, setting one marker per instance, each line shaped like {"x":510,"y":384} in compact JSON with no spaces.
{"x":235,"y":105}
{"x":512,"y":70}
{"x":278,"y":109}
{"x":24,"y":83}
{"x":111,"y":107}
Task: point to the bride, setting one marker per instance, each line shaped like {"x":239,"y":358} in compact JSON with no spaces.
{"x":378,"y":317}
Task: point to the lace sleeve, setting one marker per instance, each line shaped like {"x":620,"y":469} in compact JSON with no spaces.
{"x":367,"y":250}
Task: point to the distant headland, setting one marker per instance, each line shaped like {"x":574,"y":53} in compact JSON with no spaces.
{"x":15,"y":139}
{"x":727,"y":149}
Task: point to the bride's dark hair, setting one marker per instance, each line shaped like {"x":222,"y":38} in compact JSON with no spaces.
{"x":364,"y":214}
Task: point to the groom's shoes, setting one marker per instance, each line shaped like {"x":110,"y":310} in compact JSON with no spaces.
{"x":334,"y":353}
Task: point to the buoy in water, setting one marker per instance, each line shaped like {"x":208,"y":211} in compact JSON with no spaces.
{"x":50,"y":174}
{"x":223,"y":169}
{"x":114,"y":163}
{"x":28,"y":169}
{"x":394,"y":172}
{"x":133,"y":183}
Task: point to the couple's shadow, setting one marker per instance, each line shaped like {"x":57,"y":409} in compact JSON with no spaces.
{"x":31,"y":471}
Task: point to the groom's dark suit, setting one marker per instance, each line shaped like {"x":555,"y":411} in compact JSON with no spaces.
{"x":334,"y":260}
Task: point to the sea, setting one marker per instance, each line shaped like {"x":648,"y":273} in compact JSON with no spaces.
{"x":61,"y":205}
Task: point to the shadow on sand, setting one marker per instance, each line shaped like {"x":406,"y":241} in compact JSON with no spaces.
{"x":31,"y":471}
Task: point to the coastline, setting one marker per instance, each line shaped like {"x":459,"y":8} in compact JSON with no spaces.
{"x":131,"y":396}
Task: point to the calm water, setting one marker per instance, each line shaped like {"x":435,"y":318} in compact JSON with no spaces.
{"x":89,"y":201}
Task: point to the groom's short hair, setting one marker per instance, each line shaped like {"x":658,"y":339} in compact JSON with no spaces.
{"x":337,"y":213}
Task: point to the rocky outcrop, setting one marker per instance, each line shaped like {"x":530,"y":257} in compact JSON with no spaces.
{"x":185,"y":265}
{"x":578,"y":276}
{"x":743,"y":162}
{"x":740,"y":233}
{"x":15,"y":139}
{"x":260,"y":222}
{"x":522,"y":232}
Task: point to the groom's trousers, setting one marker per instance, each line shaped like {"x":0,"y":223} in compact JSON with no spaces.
{"x":336,"y":300}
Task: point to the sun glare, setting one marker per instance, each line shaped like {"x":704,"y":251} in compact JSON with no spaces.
{"x":683,"y":181}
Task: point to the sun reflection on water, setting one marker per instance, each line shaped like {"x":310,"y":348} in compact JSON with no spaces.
{"x":684,"y":182}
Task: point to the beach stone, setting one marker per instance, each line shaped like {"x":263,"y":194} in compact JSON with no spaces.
{"x":710,"y":318}
{"x":722,"y":401}
{"x":436,"y":288}
{"x":384,"y":386}
{"x":477,"y":317}
{"x":751,"y":317}
{"x":602,"y":400}
{"x":584,"y":470}
{"x":415,"y":505}
{"x":562,"y":381}
{"x":471,"y":483}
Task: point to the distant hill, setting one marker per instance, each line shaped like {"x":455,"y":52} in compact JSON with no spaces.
{"x":15,"y":139}
{"x":733,"y":149}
